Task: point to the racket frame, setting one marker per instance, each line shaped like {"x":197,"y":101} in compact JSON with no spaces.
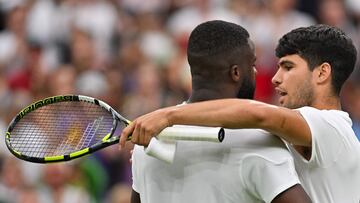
{"x":106,"y":141}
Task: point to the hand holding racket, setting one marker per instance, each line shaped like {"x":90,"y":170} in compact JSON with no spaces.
{"x":144,"y":128}
{"x":63,"y":128}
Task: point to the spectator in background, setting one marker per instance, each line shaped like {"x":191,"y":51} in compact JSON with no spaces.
{"x":13,"y":42}
{"x":335,"y":13}
{"x":185,"y":19}
{"x":140,"y":7}
{"x":354,"y":107}
{"x":148,"y":94}
{"x":99,"y":19}
{"x":354,"y":7}
{"x":182,"y":21}
{"x":120,"y":193}
{"x":351,"y":100}
{"x":28,"y":194}
{"x":12,"y":180}
{"x":155,"y":42}
{"x":83,"y":52}
{"x":62,"y":81}
{"x":57,"y":188}
{"x":50,"y":23}
{"x":5,"y":97}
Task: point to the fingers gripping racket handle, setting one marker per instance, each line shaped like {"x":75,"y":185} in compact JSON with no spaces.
{"x":164,"y":147}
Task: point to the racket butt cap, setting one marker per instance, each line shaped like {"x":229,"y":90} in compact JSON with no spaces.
{"x":221,"y":135}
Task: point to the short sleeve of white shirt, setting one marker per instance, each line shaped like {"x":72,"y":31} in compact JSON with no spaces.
{"x":326,"y":131}
{"x":266,"y":178}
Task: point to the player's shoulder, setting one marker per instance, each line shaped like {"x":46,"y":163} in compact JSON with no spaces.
{"x":271,"y":162}
{"x":327,"y":115}
{"x":332,"y":121}
{"x":252,"y":138}
{"x":274,"y":157}
{"x":256,"y":145}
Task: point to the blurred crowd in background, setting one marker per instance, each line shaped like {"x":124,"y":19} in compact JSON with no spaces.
{"x":132,"y":55}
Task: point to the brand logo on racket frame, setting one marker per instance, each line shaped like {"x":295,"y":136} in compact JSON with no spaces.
{"x":47,"y":101}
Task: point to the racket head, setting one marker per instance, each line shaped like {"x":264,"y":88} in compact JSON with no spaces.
{"x":62,"y":128}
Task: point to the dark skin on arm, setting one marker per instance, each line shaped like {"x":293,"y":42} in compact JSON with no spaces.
{"x":295,"y":194}
{"x":135,"y":197}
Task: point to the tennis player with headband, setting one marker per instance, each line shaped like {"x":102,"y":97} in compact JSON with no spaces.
{"x":250,"y":166}
{"x":314,"y":62}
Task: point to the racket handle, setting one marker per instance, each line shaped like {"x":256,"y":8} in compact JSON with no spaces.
{"x":192,"y":133}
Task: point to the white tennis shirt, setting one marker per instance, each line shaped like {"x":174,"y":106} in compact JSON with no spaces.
{"x":250,"y":166}
{"x":332,"y":175}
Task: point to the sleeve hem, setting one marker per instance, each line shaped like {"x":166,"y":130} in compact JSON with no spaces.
{"x":135,"y":188}
{"x":280,"y":189}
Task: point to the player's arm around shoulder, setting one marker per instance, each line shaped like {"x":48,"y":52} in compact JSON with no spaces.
{"x":286,"y":123}
{"x":242,"y":113}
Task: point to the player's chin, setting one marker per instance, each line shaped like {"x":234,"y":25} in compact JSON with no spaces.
{"x":282,"y":102}
{"x":285,"y":102}
{"x":285,"y":105}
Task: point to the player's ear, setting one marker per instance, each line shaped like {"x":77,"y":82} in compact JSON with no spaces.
{"x":323,"y":73}
{"x":235,"y":73}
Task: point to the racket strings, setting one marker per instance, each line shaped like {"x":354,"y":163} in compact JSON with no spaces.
{"x":60,"y":128}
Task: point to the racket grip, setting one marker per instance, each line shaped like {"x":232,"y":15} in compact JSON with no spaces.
{"x":192,"y":133}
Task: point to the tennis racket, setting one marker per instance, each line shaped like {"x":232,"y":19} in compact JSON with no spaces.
{"x":62,"y":128}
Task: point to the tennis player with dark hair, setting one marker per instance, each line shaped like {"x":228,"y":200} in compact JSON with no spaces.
{"x":314,"y":62}
{"x":248,"y":168}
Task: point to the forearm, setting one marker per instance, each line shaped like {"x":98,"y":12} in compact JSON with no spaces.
{"x":241,"y":113}
{"x":228,"y":113}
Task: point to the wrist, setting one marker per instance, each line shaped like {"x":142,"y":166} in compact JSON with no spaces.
{"x":170,"y":116}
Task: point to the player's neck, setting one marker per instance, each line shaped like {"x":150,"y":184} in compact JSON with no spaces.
{"x":327,"y":103}
{"x":325,"y":98}
{"x":199,"y":95}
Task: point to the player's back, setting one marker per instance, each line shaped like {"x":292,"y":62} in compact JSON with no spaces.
{"x":246,"y":168}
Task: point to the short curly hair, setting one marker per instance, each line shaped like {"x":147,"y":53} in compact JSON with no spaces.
{"x":216,"y":45}
{"x":214,"y":37}
{"x":318,"y":44}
